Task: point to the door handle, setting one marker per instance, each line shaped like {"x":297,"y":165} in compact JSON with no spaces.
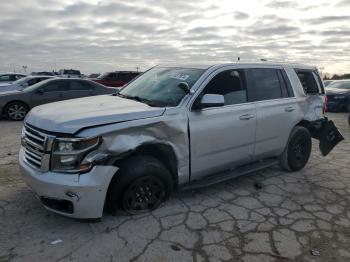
{"x":289,"y":109}
{"x":246,"y":117}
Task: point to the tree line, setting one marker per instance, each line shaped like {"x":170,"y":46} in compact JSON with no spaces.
{"x":336,"y":77}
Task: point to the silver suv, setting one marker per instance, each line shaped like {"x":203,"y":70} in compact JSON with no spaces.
{"x":172,"y":128}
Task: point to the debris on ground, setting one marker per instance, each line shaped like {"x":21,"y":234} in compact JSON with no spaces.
{"x":175,"y":248}
{"x":57,"y":241}
{"x":315,"y":253}
{"x":258,"y":185}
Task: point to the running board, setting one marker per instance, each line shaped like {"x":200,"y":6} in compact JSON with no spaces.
{"x":230,"y":174}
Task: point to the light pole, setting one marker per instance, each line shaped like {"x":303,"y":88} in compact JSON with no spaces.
{"x":321,"y":68}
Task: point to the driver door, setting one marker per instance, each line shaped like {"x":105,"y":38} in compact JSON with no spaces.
{"x":222,"y":137}
{"x":52,"y":91}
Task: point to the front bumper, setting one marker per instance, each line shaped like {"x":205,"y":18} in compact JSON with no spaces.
{"x":73,"y":195}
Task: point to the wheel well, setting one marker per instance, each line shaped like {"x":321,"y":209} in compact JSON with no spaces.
{"x":13,"y":101}
{"x":164,"y":153}
{"x":303,"y":123}
{"x":313,"y":127}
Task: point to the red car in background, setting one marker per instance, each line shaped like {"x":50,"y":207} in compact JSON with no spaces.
{"x":117,"y":78}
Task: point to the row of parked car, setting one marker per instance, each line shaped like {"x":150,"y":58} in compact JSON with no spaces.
{"x":19,"y":93}
{"x":116,"y":79}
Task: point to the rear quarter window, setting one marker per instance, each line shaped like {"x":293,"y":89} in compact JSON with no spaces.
{"x":310,"y":81}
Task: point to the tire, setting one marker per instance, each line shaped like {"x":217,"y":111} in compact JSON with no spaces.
{"x":140,"y":186}
{"x":297,"y":151}
{"x":16,"y":111}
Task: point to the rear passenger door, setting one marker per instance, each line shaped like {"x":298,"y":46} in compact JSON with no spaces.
{"x":277,"y":110}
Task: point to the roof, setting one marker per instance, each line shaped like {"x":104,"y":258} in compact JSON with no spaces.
{"x":138,"y":72}
{"x":246,"y":64}
{"x":9,"y":73}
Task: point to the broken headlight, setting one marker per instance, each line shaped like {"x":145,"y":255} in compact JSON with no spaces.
{"x":68,"y":154}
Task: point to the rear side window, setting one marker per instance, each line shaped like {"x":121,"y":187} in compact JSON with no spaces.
{"x":265,"y":84}
{"x":80,"y":86}
{"x":308,"y":79}
{"x":230,"y":84}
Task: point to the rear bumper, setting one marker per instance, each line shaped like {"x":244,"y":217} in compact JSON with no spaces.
{"x":73,"y":195}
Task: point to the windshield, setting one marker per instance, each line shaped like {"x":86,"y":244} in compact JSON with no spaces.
{"x":21,"y":81}
{"x":340,"y":85}
{"x":160,"y":85}
{"x":35,"y":86}
{"x":102,"y":76}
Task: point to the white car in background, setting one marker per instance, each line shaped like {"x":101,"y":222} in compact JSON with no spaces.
{"x":22,"y":83}
{"x":10,"y":77}
{"x":69,"y":73}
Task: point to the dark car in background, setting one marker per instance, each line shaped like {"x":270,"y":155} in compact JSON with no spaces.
{"x":16,"y":104}
{"x":69,"y":73}
{"x":10,"y":77}
{"x":338,"y":96}
{"x":117,"y":78}
{"x":43,"y":73}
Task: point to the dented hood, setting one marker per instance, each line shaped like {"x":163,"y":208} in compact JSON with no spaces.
{"x":72,"y":115}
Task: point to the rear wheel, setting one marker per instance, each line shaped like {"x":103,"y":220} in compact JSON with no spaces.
{"x":141,"y":185}
{"x":16,"y":111}
{"x":297,"y":151}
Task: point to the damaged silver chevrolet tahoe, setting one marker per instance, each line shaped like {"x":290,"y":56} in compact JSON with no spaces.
{"x":172,"y":128}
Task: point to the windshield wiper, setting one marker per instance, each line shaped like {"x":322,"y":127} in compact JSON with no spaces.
{"x":142,"y":100}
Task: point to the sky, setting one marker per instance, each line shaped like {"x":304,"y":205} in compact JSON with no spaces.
{"x":98,"y":36}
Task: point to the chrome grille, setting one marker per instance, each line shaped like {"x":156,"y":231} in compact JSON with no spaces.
{"x":37,"y":146}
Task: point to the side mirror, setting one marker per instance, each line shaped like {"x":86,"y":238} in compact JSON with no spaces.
{"x":185,"y":87}
{"x":40,"y":91}
{"x":212,"y":100}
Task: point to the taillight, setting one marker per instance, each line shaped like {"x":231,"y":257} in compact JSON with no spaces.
{"x":325,"y":104}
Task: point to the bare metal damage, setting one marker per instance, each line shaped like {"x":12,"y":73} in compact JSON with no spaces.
{"x":314,"y":107}
{"x":169,"y":130}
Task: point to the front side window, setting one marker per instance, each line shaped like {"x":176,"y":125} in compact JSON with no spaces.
{"x":57,"y":85}
{"x":18,"y":77}
{"x":230,"y":84}
{"x":160,"y":85}
{"x":33,"y":81}
{"x":264,"y":84}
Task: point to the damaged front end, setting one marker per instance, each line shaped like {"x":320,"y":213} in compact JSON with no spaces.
{"x":327,"y":133}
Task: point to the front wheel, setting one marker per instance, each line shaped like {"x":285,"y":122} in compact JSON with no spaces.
{"x":140,"y":186}
{"x":297,"y":151}
{"x":16,"y":111}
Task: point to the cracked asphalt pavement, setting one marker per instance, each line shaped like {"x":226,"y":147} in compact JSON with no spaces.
{"x":300,"y":216}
